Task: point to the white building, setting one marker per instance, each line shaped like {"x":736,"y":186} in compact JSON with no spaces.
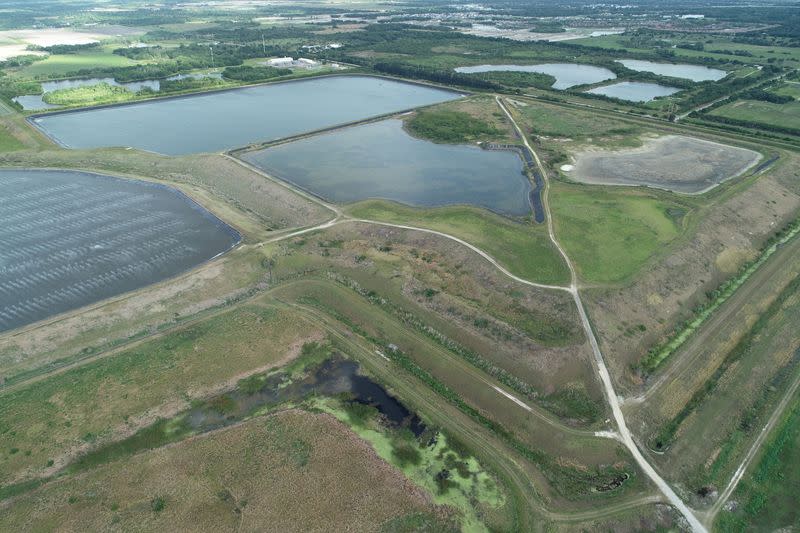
{"x":280,"y":62}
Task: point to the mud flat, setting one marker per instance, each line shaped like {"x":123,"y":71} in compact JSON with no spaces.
{"x":672,"y":162}
{"x":69,"y":239}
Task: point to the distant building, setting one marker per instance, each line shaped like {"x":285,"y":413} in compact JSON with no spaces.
{"x":280,"y":62}
{"x":304,"y":62}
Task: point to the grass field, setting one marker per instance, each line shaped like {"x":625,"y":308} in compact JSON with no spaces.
{"x":610,"y":233}
{"x":521,"y":247}
{"x":8,"y":143}
{"x":61,"y":65}
{"x":767,"y":495}
{"x":242,"y":477}
{"x":786,"y":115}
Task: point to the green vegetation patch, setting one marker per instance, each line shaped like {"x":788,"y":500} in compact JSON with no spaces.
{"x":102,"y":93}
{"x":452,"y":476}
{"x":767,"y":113}
{"x":523,"y":248}
{"x":253,"y":74}
{"x":9,"y":143}
{"x":611,"y":233}
{"x":455,"y":127}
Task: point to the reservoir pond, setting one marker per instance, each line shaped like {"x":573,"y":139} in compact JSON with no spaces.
{"x":566,"y":74}
{"x":217,"y":121}
{"x":381,"y":160}
{"x":69,"y":239}
{"x":679,"y":70}
{"x":634,"y":91}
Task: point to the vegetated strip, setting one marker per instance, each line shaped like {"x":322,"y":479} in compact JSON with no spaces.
{"x":658,"y":355}
{"x":590,"y":414}
{"x":664,"y":437}
{"x":568,"y":481}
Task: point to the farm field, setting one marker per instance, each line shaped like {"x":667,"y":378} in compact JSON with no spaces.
{"x":783,"y":115}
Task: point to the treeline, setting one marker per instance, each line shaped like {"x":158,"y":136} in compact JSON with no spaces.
{"x":253,"y":74}
{"x":749,"y":124}
{"x":445,"y":77}
{"x":66,"y":48}
{"x":712,"y":91}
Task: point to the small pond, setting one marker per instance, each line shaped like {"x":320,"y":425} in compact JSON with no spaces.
{"x":675,"y":70}
{"x":381,"y":160}
{"x":215,"y":121}
{"x":69,"y":239}
{"x":635,"y":91}
{"x":566,"y":74}
{"x":35,"y":102}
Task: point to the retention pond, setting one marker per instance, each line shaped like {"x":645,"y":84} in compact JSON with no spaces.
{"x":566,"y":74}
{"x":380,"y":160}
{"x":221,"y":120}
{"x":68,"y":239}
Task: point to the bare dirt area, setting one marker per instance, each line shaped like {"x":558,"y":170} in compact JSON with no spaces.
{"x":249,"y":477}
{"x":672,"y":162}
{"x":631,"y":319}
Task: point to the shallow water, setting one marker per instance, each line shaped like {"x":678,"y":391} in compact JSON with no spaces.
{"x":680,"y":70}
{"x":218,"y":121}
{"x":566,"y":74}
{"x":68,"y":239}
{"x":381,"y":160}
{"x":635,"y":91}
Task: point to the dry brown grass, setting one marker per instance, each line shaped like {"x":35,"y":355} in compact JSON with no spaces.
{"x":64,"y":414}
{"x":293,"y":471}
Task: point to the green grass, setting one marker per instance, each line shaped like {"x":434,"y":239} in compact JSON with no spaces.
{"x":523,"y":248}
{"x":61,"y":65}
{"x":9,"y":143}
{"x":102,"y":93}
{"x":611,"y":233}
{"x":466,"y":484}
{"x":553,"y":121}
{"x":454,"y":127}
{"x":786,"y":115}
{"x":767,"y":496}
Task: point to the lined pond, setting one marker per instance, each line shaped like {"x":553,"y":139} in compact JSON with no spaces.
{"x":380,"y":160}
{"x":634,"y":91}
{"x":68,"y":239}
{"x":566,"y":74}
{"x":675,"y":70}
{"x":227,"y":119}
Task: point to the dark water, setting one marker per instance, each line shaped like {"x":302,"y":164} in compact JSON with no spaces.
{"x":333,"y":377}
{"x":380,"y":160}
{"x":69,"y":239}
{"x":228,"y":119}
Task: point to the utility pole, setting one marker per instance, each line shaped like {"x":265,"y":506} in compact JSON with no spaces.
{"x":263,"y":45}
